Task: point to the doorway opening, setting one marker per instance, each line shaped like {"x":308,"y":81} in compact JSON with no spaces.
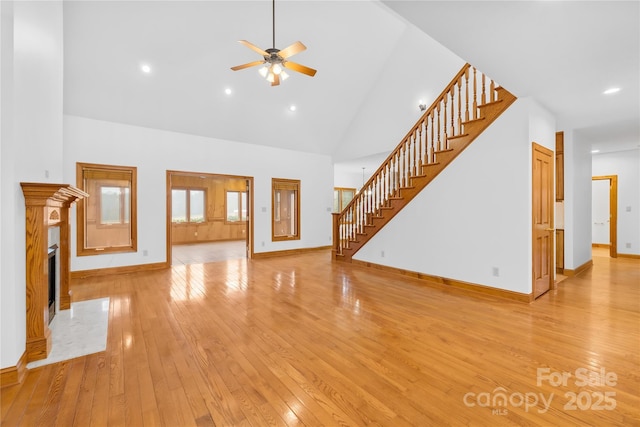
{"x":209,"y":217}
{"x":604,"y":213}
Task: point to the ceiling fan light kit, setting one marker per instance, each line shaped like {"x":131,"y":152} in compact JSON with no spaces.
{"x":275,"y":60}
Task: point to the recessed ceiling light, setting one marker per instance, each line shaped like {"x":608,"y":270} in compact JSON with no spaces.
{"x":595,"y":151}
{"x":145,"y":68}
{"x":611,"y":90}
{"x":228,"y":91}
{"x":292,"y":108}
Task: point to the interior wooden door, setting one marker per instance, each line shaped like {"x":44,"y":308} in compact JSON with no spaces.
{"x":543,"y":211}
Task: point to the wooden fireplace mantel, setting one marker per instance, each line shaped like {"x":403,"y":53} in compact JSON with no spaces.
{"x":46,"y":205}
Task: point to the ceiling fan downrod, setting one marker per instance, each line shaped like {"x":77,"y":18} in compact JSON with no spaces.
{"x":274,"y":59}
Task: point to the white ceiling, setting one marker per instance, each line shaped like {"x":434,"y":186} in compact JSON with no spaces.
{"x":563,"y":54}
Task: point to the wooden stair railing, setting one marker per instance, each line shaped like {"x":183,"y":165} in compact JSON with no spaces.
{"x":464,"y":109}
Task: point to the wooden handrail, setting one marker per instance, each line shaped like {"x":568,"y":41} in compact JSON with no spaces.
{"x":413,"y":129}
{"x":444,"y":120}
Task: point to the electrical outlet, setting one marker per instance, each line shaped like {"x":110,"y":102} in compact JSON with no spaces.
{"x":496,"y":271}
{"x":382,"y":254}
{"x":145,"y":252}
{"x":628,"y":245}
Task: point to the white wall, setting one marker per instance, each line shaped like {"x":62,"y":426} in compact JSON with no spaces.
{"x":154,"y":152}
{"x":346,"y":178}
{"x":577,"y":201}
{"x":626,"y":165}
{"x":31,"y":147}
{"x":10,"y":302}
{"x":389,"y":111}
{"x":476,"y":215}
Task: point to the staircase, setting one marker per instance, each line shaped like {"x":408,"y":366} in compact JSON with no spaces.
{"x":466,"y":107}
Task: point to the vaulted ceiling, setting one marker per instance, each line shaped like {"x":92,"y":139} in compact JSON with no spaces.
{"x":375,"y":60}
{"x":564,"y":54}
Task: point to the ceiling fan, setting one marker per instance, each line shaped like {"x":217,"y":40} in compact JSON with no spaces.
{"x":275,"y":60}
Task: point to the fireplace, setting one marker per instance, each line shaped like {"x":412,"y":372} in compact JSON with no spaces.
{"x":53,"y":279}
{"x":47,"y":206}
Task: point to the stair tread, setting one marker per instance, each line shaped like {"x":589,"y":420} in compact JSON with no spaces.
{"x":477,"y":119}
{"x":459,"y":136}
{"x":443,"y":151}
{"x":486,"y":104}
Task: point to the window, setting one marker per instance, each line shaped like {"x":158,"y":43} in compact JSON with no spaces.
{"x":106,"y":220}
{"x":236,"y":206}
{"x":187,"y":205}
{"x":286,"y":209}
{"x":342,"y":197}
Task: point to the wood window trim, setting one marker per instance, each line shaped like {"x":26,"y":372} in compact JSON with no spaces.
{"x":117,"y":172}
{"x":285,"y":184}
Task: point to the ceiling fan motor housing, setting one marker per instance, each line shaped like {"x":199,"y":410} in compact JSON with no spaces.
{"x":273,"y":57}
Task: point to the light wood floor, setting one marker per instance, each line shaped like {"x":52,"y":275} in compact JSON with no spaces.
{"x":199,"y":253}
{"x":302,"y":341}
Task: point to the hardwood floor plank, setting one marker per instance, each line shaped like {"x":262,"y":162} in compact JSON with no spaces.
{"x":15,"y":399}
{"x":99,"y":405}
{"x":37,"y":405}
{"x":84,"y":402}
{"x":300,"y":340}
{"x":166,"y":406}
{"x":70,"y":397}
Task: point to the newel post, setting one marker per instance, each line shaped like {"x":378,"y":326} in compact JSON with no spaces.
{"x":336,"y":235}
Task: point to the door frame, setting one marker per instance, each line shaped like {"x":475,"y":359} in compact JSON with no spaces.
{"x":249,"y":226}
{"x":551,"y":259}
{"x":613,"y":212}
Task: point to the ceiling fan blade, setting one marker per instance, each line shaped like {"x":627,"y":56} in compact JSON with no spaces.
{"x":288,"y":51}
{"x":253,"y":47}
{"x":276,"y":80}
{"x":299,"y":68}
{"x":247,"y":65}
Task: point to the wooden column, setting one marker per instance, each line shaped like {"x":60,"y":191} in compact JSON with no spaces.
{"x":65,"y":257}
{"x":46,"y":205}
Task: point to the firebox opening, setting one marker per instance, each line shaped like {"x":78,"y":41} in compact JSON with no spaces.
{"x":52,"y":281}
